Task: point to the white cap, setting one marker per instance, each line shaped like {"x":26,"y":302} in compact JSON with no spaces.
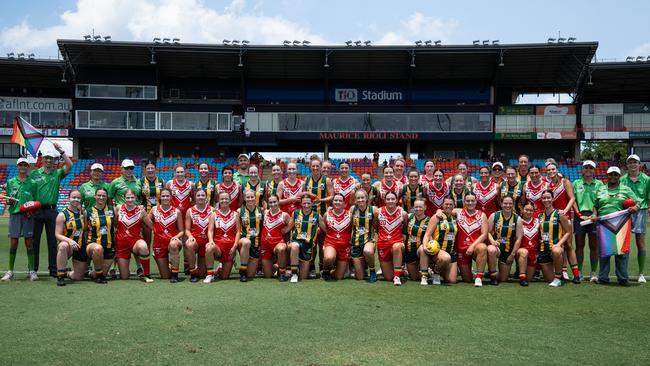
{"x":589,"y":163}
{"x":49,"y":152}
{"x":633,"y":156}
{"x":244,"y":155}
{"x":614,"y":169}
{"x":497,"y":164}
{"x":98,"y":166}
{"x":22,"y":160}
{"x":127,"y":163}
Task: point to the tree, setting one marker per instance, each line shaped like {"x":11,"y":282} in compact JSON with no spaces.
{"x":605,"y":150}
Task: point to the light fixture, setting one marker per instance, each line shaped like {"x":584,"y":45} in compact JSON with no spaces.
{"x":296,"y":43}
{"x":501,"y":64}
{"x":348,"y":43}
{"x":495,"y":42}
{"x":412,"y":59}
{"x":427,"y":43}
{"x":306,"y":43}
{"x":327,"y":58}
{"x":561,"y":40}
{"x":87,"y":37}
{"x":153,"y":59}
{"x":21,"y":56}
{"x":367,"y":43}
{"x":107,"y":38}
{"x":166,"y":40}
{"x":571,"y":39}
{"x":10,"y":55}
{"x":240,"y":64}
{"x":357,"y":43}
{"x":97,"y":38}
{"x":245,"y":42}
{"x":156,"y":40}
{"x":176,"y":40}
{"x":225,"y":42}
{"x":286,"y":43}
{"x":476,"y":42}
{"x":589,"y":82}
{"x":235,"y":42}
{"x":437,"y":42}
{"x":31,"y":56}
{"x":486,"y":42}
{"x":550,"y":40}
{"x":639,"y":58}
{"x":648,"y":58}
{"x":629,"y":59}
{"x":418,"y":43}
{"x":63,"y":79}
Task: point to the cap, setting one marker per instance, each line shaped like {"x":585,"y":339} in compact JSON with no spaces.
{"x":127,"y":163}
{"x":22,"y":160}
{"x":633,"y":156}
{"x":49,"y":152}
{"x":497,"y":164}
{"x":99,"y":166}
{"x":614,"y":169}
{"x":589,"y":163}
{"x":244,"y":155}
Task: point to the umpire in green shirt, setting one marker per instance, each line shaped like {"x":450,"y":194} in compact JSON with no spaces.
{"x":126,"y":181}
{"x":48,"y":180}
{"x":88,"y":189}
{"x":640,"y":184}
{"x":585,"y":190}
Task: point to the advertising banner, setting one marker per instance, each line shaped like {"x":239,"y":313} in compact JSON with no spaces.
{"x":516,"y":110}
{"x":618,"y":135}
{"x":35,"y":104}
{"x":555,"y":110}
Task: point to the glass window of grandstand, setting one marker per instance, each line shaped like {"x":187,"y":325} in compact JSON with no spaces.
{"x":116,"y":91}
{"x":417,"y":122}
{"x":197,"y":121}
{"x":114,"y":120}
{"x":8,"y":150}
{"x":643,"y":152}
{"x":37,"y":119}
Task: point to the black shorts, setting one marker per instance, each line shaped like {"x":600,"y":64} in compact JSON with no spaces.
{"x":80,"y":255}
{"x":581,"y":230}
{"x":544,"y":257}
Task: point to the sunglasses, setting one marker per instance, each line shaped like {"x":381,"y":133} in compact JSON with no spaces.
{"x":616,"y":174}
{"x":128,"y":168}
{"x":497,"y":169}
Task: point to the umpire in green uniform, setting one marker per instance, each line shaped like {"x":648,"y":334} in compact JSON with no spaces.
{"x":48,"y":180}
{"x":88,"y":189}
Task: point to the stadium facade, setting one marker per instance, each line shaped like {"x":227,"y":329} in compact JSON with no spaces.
{"x":158,"y":99}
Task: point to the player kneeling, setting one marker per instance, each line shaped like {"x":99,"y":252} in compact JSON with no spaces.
{"x":438,"y":252}
{"x":168,"y":231}
{"x":364,"y":221}
{"x":336,"y":223}
{"x":390,"y":238}
{"x":223,"y":237}
{"x":303,"y":235}
{"x":505,"y":234}
{"x":416,"y":227}
{"x":276,"y":224}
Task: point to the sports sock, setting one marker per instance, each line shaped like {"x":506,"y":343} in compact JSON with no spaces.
{"x":282,"y":270}
{"x":564,"y":268}
{"x":493,"y":274}
{"x":243,"y":267}
{"x":558,"y":276}
{"x":397,"y":271}
{"x":12,"y":258}
{"x":575,"y":270}
{"x":210,"y":271}
{"x":30,"y":258}
{"x":641,"y":259}
{"x":60,"y":273}
{"x":175,"y":269}
{"x":371,"y":268}
{"x":294,"y":268}
{"x":480,"y":275}
{"x":424,"y":272}
{"x":146,"y":267}
{"x":522,"y":275}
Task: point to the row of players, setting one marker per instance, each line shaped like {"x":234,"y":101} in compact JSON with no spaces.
{"x":485,"y":197}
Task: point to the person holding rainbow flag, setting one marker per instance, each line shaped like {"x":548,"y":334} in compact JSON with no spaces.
{"x":612,"y":211}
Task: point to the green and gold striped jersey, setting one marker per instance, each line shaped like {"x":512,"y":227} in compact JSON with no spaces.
{"x":505,"y":231}
{"x":251,"y":224}
{"x":304,"y":226}
{"x":445,"y":233}
{"x":550,"y":230}
{"x":100,"y":226}
{"x":74,"y":225}
{"x":415,"y":230}
{"x":362,"y":225}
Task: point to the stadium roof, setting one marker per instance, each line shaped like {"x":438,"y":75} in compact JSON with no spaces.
{"x":617,"y":82}
{"x":534,"y":68}
{"x":42,"y":74}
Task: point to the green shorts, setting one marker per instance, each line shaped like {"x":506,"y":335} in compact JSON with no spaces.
{"x":544,"y":257}
{"x":411,"y":256}
{"x":254,"y":252}
{"x":357,"y":250}
{"x":306,"y":249}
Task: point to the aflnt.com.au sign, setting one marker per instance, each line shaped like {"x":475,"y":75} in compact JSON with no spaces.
{"x":35,"y":104}
{"x":350,"y":95}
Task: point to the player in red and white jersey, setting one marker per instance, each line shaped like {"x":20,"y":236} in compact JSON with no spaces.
{"x":276,"y":224}
{"x":534,"y":188}
{"x":437,"y":190}
{"x":530,"y":239}
{"x":429,"y":169}
{"x":128,"y":236}
{"x":337,"y":225}
{"x":386,"y":185}
{"x":390,"y":238}
{"x":290,"y":190}
{"x":198,"y":220}
{"x":223,"y":237}
{"x":232,"y":188}
{"x":470,"y":240}
{"x":399,"y":167}
{"x":345,"y":184}
{"x":168,"y":231}
{"x":487,"y":193}
{"x":462,"y":169}
{"x":181,"y":189}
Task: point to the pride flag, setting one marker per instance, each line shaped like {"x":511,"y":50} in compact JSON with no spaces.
{"x":26,"y":136}
{"x":614,"y":234}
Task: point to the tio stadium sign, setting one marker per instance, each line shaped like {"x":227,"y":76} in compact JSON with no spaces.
{"x":354,"y":96}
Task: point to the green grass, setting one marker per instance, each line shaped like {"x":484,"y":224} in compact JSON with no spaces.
{"x":264,"y":322}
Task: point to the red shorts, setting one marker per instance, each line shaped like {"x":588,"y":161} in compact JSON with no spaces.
{"x":201,"y":243}
{"x":532,"y":257}
{"x":342,"y":251}
{"x":463,"y":258}
{"x":385,"y":251}
{"x":124,"y":248}
{"x":160,"y":248}
{"x":224,"y":247}
{"x":267,"y":247}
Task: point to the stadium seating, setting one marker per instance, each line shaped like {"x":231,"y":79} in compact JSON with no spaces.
{"x":80,"y":172}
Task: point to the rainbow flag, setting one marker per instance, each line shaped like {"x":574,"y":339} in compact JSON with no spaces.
{"x":26,"y":136}
{"x":614,"y":234}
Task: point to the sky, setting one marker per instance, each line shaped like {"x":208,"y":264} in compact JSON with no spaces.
{"x":620,"y":27}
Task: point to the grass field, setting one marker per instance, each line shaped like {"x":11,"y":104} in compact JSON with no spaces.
{"x":264,"y":322}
